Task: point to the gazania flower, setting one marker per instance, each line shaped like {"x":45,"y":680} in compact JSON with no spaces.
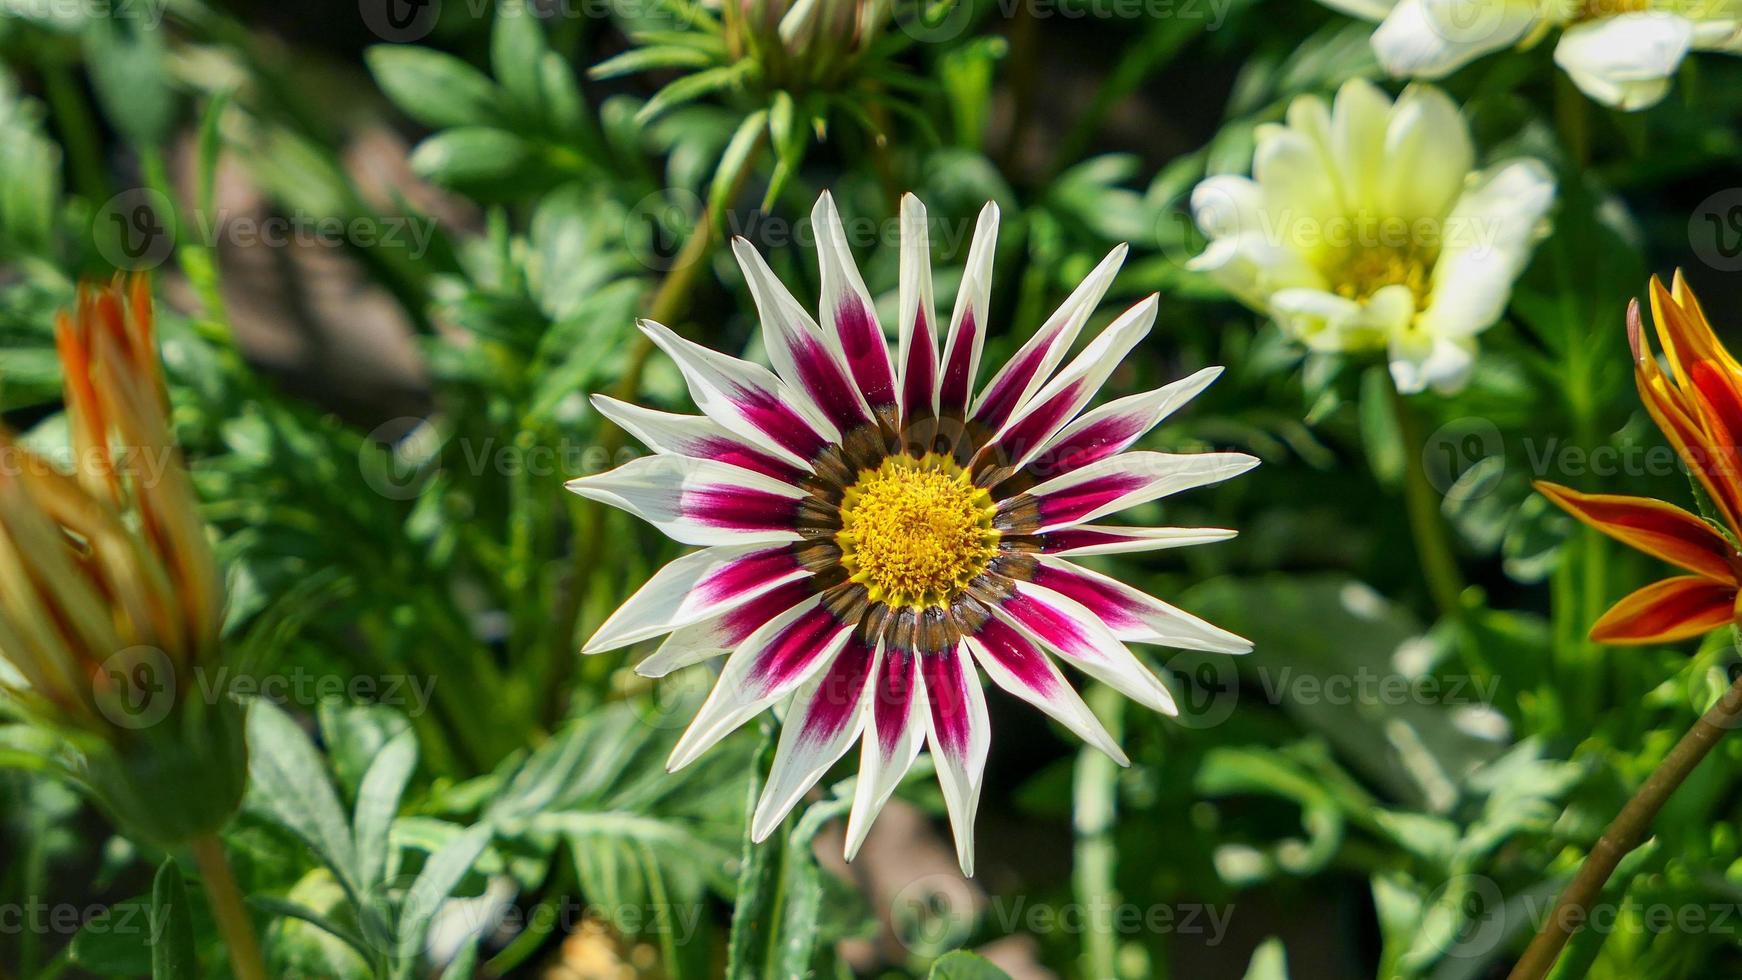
{"x":872,"y":529}
{"x":1698,"y":405}
{"x":1364,"y":229}
{"x":1622,"y":53}
{"x":110,"y":599}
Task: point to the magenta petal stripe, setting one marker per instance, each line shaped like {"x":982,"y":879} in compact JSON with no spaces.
{"x":1062,"y":625}
{"x":1009,"y":390}
{"x":695,"y":436}
{"x":766,"y":667}
{"x":695,"y":587}
{"x":895,"y":730}
{"x":725,"y":631}
{"x":1115,"y":426}
{"x":744,"y":397}
{"x":1133,"y":615}
{"x":827,"y":714}
{"x":881,"y":527}
{"x":798,"y":347}
{"x":1108,"y":540}
{"x":1018,"y":666}
{"x":967,"y":337}
{"x":917,"y":349}
{"x":846,"y":306}
{"x":959,"y":733}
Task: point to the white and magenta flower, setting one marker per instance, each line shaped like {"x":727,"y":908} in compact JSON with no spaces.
{"x":872,"y":529}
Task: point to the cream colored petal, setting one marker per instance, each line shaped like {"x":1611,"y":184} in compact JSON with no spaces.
{"x":1625,"y":61}
{"x":1433,"y":38}
{"x":1226,"y":205}
{"x":1487,"y":242}
{"x":1251,"y":268}
{"x":1428,"y":155}
{"x":1420,"y":361}
{"x":1316,"y":318}
{"x":1359,"y":119}
{"x":1289,"y":168}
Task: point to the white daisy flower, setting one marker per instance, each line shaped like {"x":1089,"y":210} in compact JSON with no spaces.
{"x":871,"y":529}
{"x":1621,"y":53}
{"x":1363,"y":228}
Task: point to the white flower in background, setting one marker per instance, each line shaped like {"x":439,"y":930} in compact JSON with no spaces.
{"x":1363,"y":228}
{"x":1621,"y":53}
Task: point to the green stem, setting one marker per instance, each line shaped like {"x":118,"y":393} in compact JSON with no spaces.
{"x":78,"y":131}
{"x":1625,"y":833}
{"x":759,"y":881}
{"x":668,"y":303}
{"x":1096,"y":804}
{"x":228,"y":910}
{"x":1433,"y":546}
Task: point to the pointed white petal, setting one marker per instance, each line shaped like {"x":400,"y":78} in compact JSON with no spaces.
{"x":1061,"y":624}
{"x":1133,"y":615}
{"x":848,"y":311}
{"x":895,"y":727}
{"x":1020,"y":667}
{"x":916,"y":350}
{"x":1114,"y":484}
{"x":768,"y":666}
{"x":827,"y":714}
{"x":969,"y":321}
{"x":959,"y":734}
{"x":1115,"y":426}
{"x":699,"y":501}
{"x":692,"y":588}
{"x":699,"y":437}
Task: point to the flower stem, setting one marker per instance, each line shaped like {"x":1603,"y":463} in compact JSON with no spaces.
{"x":1097,"y":801}
{"x":1626,"y":832}
{"x":227,"y":908}
{"x":1433,"y":547}
{"x":589,"y":516}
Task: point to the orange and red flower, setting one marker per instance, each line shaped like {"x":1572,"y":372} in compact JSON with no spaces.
{"x":1698,"y":405}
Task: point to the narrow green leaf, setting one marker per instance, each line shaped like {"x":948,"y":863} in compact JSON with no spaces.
{"x":739,"y":151}
{"x":517,"y":46}
{"x":637,"y":60}
{"x":437,"y":881}
{"x":692,"y":87}
{"x":378,"y":803}
{"x":172,"y":927}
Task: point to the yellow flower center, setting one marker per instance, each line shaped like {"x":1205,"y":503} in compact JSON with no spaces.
{"x":1363,"y":271}
{"x":915,"y":532}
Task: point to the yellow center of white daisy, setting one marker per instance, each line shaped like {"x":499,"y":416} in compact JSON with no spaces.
{"x":915,"y":532}
{"x":1364,"y":270}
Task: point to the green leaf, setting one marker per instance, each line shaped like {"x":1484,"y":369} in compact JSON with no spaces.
{"x":692,"y":87}
{"x":436,"y":89}
{"x":172,"y":927}
{"x":378,"y":803}
{"x":517,"y":46}
{"x":737,"y":156}
{"x":126,"y":61}
{"x":963,"y":965}
{"x":437,"y":881}
{"x":662,"y":57}
{"x":470,"y":154}
{"x":289,"y":785}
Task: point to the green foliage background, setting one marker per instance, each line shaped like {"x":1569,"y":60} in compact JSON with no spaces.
{"x":1369,"y":833}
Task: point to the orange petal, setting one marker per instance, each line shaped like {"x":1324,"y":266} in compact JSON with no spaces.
{"x":1681,"y":424}
{"x":1654,"y":527}
{"x":1683,"y":329}
{"x":1666,"y":611}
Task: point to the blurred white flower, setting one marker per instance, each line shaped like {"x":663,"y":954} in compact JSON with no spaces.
{"x":1621,"y":53}
{"x":1363,"y":228}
